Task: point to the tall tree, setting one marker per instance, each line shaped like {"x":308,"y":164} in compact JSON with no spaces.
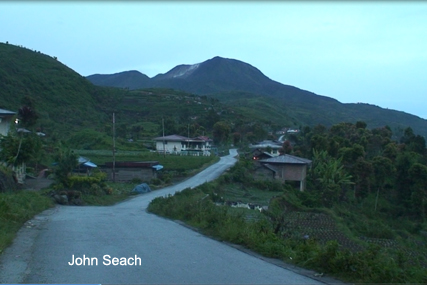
{"x":221,"y":132}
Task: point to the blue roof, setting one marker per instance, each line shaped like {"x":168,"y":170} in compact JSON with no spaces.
{"x":90,"y":164}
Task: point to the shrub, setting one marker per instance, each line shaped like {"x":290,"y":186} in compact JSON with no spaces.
{"x":136,"y":181}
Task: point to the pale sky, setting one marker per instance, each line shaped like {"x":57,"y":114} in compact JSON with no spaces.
{"x":370,"y":52}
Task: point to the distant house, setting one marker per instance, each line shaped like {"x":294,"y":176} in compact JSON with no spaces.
{"x":126,"y":171}
{"x":258,"y":154}
{"x":5,"y":120}
{"x":20,"y":171}
{"x":286,"y":168}
{"x":176,"y":144}
{"x":274,"y":146}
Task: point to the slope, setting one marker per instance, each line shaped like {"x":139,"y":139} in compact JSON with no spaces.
{"x":240,"y":84}
{"x":65,"y":100}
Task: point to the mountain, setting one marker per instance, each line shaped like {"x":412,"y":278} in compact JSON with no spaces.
{"x":245,"y":87}
{"x":70,"y":107}
{"x":128,"y":79}
{"x":79,"y":113}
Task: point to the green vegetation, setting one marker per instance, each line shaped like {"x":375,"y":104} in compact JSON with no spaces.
{"x":15,"y":209}
{"x":170,"y":162}
{"x":366,"y":186}
{"x":357,"y":220}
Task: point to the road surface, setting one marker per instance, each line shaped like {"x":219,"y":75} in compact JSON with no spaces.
{"x":48,"y":248}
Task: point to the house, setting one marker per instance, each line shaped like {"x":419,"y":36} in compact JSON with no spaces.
{"x":258,"y":154}
{"x":126,"y":171}
{"x":5,"y":120}
{"x":287,"y":168}
{"x":176,"y":144}
{"x":6,"y":117}
{"x":273,"y":146}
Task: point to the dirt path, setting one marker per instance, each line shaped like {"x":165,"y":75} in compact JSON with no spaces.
{"x":36,"y":184}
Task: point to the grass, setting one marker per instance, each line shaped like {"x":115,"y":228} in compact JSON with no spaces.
{"x":15,"y":209}
{"x":121,"y":192}
{"x":238,"y":192}
{"x":169,"y":162}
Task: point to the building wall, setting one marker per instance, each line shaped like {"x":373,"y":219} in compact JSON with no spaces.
{"x":169,"y":146}
{"x":262,"y":173}
{"x":177,"y":147}
{"x":292,"y":172}
{"x":127,"y":174}
{"x":4,"y":125}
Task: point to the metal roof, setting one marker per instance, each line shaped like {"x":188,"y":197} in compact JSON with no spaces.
{"x":181,"y":138}
{"x":172,"y":138}
{"x":4,"y":112}
{"x":268,"y":166}
{"x":287,"y":158}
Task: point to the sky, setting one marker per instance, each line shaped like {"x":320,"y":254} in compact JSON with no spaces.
{"x":353,"y":51}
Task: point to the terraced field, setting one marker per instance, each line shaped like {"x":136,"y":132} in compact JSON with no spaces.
{"x":322,"y":227}
{"x":319,"y":226}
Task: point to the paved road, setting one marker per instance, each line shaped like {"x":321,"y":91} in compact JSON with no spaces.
{"x":169,"y":253}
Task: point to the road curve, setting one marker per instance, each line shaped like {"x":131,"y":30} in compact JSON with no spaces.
{"x":169,"y":252}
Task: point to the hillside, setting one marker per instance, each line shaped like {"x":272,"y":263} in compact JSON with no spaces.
{"x":248,"y":89}
{"x":129,"y":79}
{"x":72,"y":109}
{"x":65,"y":100}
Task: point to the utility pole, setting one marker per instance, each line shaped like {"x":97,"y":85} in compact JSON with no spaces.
{"x":114,"y":148}
{"x":163,"y":128}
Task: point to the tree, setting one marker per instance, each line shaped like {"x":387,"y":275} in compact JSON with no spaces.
{"x":330,"y":177}
{"x":22,"y":145}
{"x":237,"y":137}
{"x":362,"y":171}
{"x":27,"y":114}
{"x":384,"y":171}
{"x":351,"y":154}
{"x":360,"y":125}
{"x":121,"y":130}
{"x":404,"y":162}
{"x":418,"y":177}
{"x":286,"y":148}
{"x":66,"y":161}
{"x":211,"y":118}
{"x":221,"y":132}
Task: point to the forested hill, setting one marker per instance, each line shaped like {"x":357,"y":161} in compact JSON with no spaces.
{"x":242,"y":85}
{"x":65,"y":100}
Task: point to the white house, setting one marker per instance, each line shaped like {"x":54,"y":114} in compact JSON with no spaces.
{"x":184,"y":146}
{"x":274,"y":146}
{"x":5,"y":120}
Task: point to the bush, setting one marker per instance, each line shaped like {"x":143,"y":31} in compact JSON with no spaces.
{"x":85,"y":182}
{"x":373,"y":265}
{"x":7,"y":183}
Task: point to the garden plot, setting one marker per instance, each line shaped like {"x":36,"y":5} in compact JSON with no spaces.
{"x":318,"y":226}
{"x":249,"y":195}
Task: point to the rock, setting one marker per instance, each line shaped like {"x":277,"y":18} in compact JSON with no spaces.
{"x":61,"y":199}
